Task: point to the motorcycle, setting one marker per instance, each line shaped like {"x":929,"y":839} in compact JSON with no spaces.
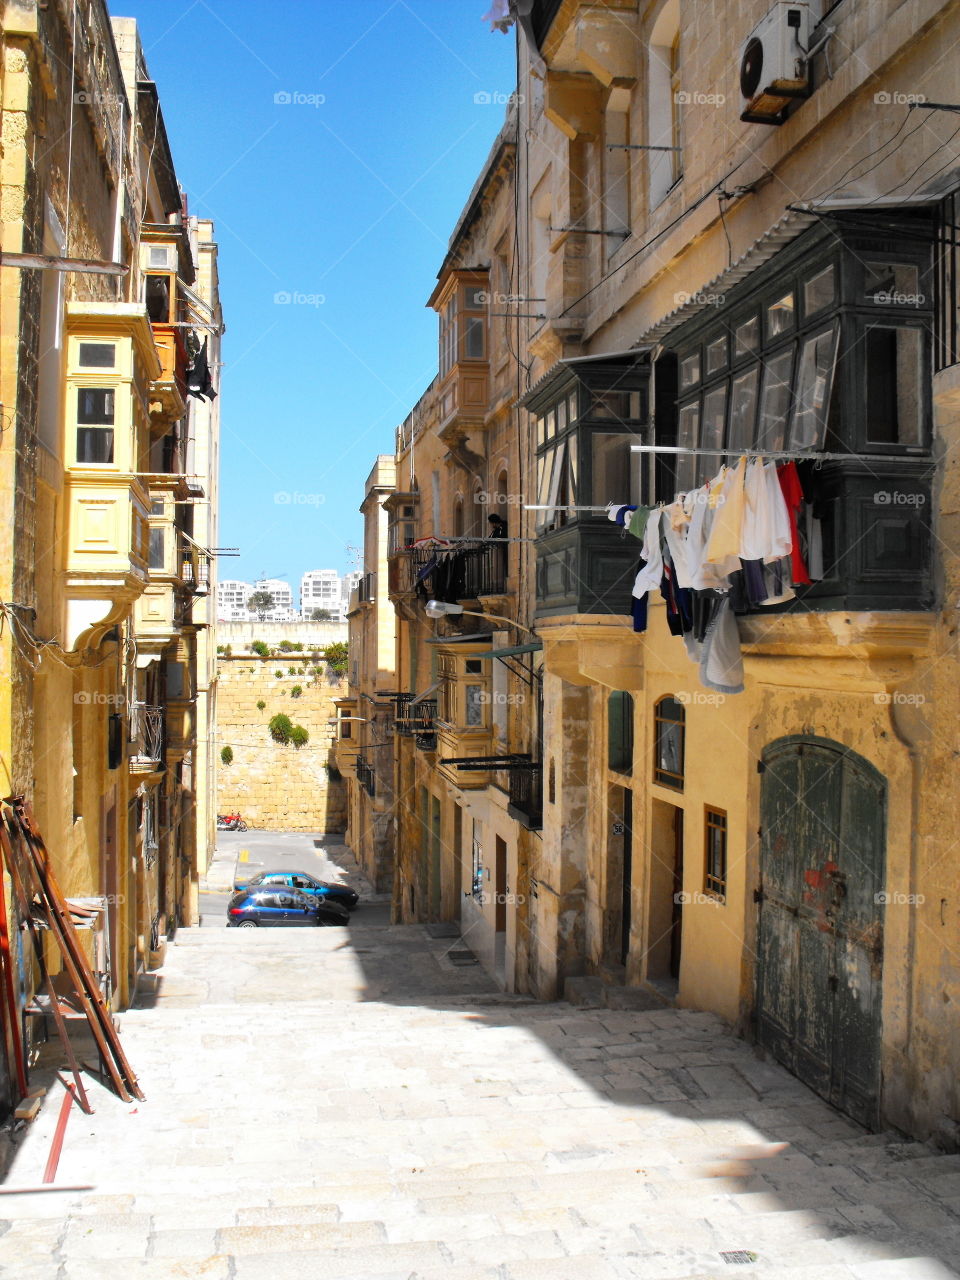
{"x":230,"y":822}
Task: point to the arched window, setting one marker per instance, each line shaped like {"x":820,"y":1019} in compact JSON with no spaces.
{"x":458,"y":517}
{"x":669,"y":728}
{"x":620,"y":731}
{"x":664,"y":99}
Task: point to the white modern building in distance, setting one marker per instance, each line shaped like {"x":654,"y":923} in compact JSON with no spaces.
{"x":321,"y":589}
{"x":232,"y":597}
{"x":283,"y":610}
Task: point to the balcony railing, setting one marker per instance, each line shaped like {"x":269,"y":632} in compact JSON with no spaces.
{"x":366,"y":777}
{"x":462,"y":571}
{"x":146,"y":734}
{"x":417,"y":720}
{"x":194,"y":564}
{"x":525,"y":789}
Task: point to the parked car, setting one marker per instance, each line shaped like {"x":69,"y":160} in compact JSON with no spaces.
{"x":279,"y":906}
{"x":341,"y":893}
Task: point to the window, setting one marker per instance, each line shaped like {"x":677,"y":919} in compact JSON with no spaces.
{"x":663,"y":103}
{"x":158,"y":296}
{"x":476,"y":859}
{"x":615,"y":159}
{"x":892,"y":284}
{"x":97,"y":355}
{"x":780,"y":316}
{"x":715,"y":849}
{"x":463,"y":327}
{"x":743,"y":410}
{"x":746,"y":337}
{"x":775,"y":401}
{"x":819,"y":292}
{"x":95,"y":405}
{"x":893,"y":384}
{"x":669,"y":729}
{"x":620,"y":732}
{"x":156,"y":549}
{"x":711,"y":431}
{"x":474,"y":699}
{"x":687,"y":439}
{"x":615,"y":473}
{"x":818,"y":356}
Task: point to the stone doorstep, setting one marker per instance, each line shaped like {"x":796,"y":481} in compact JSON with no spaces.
{"x":589,"y":992}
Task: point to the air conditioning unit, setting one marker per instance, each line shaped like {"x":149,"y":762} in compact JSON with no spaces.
{"x":774,"y":64}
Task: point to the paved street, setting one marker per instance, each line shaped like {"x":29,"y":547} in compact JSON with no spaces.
{"x":354,"y":1103}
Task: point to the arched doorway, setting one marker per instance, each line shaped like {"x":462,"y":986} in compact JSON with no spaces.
{"x":820,"y":918}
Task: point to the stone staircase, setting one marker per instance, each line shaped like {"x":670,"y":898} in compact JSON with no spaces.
{"x":297,"y":1127}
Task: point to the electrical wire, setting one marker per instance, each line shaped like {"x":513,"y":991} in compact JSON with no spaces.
{"x":904,"y":181}
{"x":863,"y":159}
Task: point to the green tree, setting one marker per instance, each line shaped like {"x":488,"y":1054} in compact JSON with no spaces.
{"x":261,"y":602}
{"x":321,"y":615}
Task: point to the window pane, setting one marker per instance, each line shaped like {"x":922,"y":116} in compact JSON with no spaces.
{"x":551,"y":421}
{"x":668,"y":743}
{"x":616,"y":476}
{"x":818,"y":292}
{"x":715,"y":879}
{"x":156,"y":549}
{"x":743,"y":410}
{"x":474,"y":347}
{"x":711,"y":432}
{"x":562,"y":415}
{"x":94,"y":444}
{"x":541,"y":431}
{"x":716,"y":355}
{"x":746,"y":337}
{"x":775,"y":401}
{"x":690,"y":371}
{"x":780,"y":315}
{"x":688,"y":429}
{"x":474,"y":705}
{"x":894,"y":395}
{"x":892,"y":284}
{"x":95,"y":405}
{"x":610,"y":404}
{"x":476,"y":298}
{"x":818,"y":356}
{"x":620,"y":731}
{"x":97,"y":355}
{"x":572,"y":414}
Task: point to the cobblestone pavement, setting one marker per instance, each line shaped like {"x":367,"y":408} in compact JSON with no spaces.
{"x":351,"y":1103}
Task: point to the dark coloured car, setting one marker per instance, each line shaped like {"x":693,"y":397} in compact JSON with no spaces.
{"x":341,"y":893}
{"x":280,"y":907}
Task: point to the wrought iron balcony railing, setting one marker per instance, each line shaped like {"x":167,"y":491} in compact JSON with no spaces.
{"x":366,"y":776}
{"x":146,"y":734}
{"x":462,"y":570}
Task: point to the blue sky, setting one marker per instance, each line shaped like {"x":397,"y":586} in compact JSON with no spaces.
{"x":342,"y":198}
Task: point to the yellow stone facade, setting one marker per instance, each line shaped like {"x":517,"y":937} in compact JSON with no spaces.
{"x":102,"y":557}
{"x":627,"y":214}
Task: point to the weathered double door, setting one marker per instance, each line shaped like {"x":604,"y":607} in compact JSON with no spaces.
{"x":820,"y":931}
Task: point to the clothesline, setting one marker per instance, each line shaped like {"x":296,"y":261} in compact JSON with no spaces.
{"x":789,"y":455}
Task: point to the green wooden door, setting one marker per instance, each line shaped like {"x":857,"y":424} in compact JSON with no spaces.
{"x":820,"y":924}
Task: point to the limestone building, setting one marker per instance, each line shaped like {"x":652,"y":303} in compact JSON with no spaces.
{"x":728,"y":230}
{"x":107,"y":477}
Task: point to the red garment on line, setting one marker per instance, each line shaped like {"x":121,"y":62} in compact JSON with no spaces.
{"x":792,"y":492}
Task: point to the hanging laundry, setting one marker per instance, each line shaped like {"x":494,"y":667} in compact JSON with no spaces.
{"x":723,"y":547}
{"x":199,"y":382}
{"x":650,"y":574}
{"x":637,"y":524}
{"x":793,"y":496}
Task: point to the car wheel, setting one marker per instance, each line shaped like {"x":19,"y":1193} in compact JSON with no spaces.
{"x":247,"y":924}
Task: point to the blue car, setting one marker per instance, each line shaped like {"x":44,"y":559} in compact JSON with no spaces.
{"x":280,"y":907}
{"x":341,"y":893}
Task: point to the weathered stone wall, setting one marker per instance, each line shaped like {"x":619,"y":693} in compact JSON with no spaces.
{"x":271,"y":785}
